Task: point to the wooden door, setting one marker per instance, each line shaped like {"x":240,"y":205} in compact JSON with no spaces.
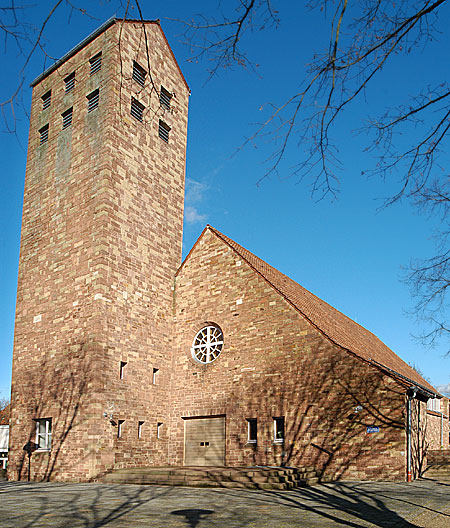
{"x":204,"y":441}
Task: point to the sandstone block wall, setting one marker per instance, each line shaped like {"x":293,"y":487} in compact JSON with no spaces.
{"x":275,"y":363}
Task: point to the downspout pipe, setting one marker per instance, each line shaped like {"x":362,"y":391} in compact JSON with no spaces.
{"x":411,"y":394}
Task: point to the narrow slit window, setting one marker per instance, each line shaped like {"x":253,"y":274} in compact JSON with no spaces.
{"x":46,"y":100}
{"x":139,"y":74}
{"x":43,"y":134}
{"x":122,"y":369}
{"x":165,"y":98}
{"x":159,"y":430}
{"x":140,"y":425}
{"x":69,"y":82}
{"x":67,"y":118}
{"x":120,"y":428}
{"x":137,"y":109}
{"x":155,"y":376}
{"x":278,"y":430}
{"x":252,"y":430}
{"x":163,"y":131}
{"x":96,"y":63}
{"x":93,"y":99}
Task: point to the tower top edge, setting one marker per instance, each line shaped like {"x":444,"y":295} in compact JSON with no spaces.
{"x":84,"y":43}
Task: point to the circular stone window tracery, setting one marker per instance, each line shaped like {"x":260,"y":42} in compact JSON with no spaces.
{"x":208,"y":344}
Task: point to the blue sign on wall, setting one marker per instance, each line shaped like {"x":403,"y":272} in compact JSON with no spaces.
{"x":373,"y":429}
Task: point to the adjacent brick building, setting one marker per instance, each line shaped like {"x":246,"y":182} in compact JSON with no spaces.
{"x":124,"y":358}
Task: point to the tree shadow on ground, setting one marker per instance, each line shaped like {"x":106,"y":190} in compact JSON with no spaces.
{"x":96,"y":506}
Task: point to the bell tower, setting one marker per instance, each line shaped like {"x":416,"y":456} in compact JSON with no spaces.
{"x":101,"y":242}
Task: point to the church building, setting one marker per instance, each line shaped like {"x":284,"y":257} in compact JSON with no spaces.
{"x":124,"y":356}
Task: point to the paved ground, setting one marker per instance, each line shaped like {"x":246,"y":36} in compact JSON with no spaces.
{"x":424,"y":504}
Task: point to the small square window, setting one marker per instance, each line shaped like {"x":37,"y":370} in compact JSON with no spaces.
{"x":278,"y":430}
{"x":69,"y":82}
{"x":120,"y":428}
{"x":122,"y":369}
{"x":155,"y":376}
{"x":44,"y":433}
{"x":165,"y":98}
{"x":92,"y":99}
{"x":43,"y":134}
{"x":46,"y":100}
{"x":67,"y":118}
{"x":159,"y":430}
{"x":163,"y":131}
{"x":96,"y":63}
{"x":137,"y":109}
{"x":252,"y":430}
{"x":139,"y":73}
{"x":140,"y":425}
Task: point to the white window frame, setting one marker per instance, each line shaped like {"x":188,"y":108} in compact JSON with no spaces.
{"x":47,"y":435}
{"x":277,"y":439}
{"x":251,"y":440}
{"x":434,"y":404}
{"x":159,"y":427}
{"x":155,"y":376}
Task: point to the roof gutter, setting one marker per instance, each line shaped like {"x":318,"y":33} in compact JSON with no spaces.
{"x":414,"y":385}
{"x":74,"y":50}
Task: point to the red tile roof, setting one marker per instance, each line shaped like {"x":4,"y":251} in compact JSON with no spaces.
{"x":336,"y":326}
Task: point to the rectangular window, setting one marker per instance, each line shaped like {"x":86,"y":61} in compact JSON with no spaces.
{"x":120,"y":428}
{"x":46,"y":100}
{"x":434,"y":404}
{"x":278,"y":430}
{"x":140,"y":424}
{"x":96,"y":63}
{"x":165,"y":98}
{"x":137,"y":109}
{"x":155,"y":376}
{"x":69,"y":82}
{"x":252,"y":434}
{"x":92,"y":99}
{"x":67,"y":118}
{"x":122,"y":369}
{"x":163,"y":131}
{"x":139,"y":73}
{"x":43,"y":134}
{"x":44,"y":433}
{"x":159,"y":430}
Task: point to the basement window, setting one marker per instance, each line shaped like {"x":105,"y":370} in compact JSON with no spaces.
{"x":120,"y":428}
{"x":163,"y":131}
{"x":46,"y":100}
{"x":69,"y":82}
{"x":278,"y":430}
{"x":137,"y":109}
{"x":252,"y":433}
{"x":92,"y":99}
{"x":165,"y":98}
{"x":67,"y":118}
{"x":44,"y":433}
{"x":155,"y":376}
{"x":96,"y":63}
{"x":139,"y":73}
{"x":43,"y":134}
{"x":140,"y":425}
{"x":159,"y":430}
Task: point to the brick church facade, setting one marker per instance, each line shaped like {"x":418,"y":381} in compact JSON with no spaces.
{"x":126,"y":357}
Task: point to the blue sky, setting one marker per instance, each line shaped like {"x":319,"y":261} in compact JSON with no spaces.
{"x":346,"y":251}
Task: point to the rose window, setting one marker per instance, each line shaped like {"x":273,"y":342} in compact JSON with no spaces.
{"x":207,"y":344}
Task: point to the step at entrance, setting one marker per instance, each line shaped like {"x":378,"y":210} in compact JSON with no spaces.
{"x":274,"y":478}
